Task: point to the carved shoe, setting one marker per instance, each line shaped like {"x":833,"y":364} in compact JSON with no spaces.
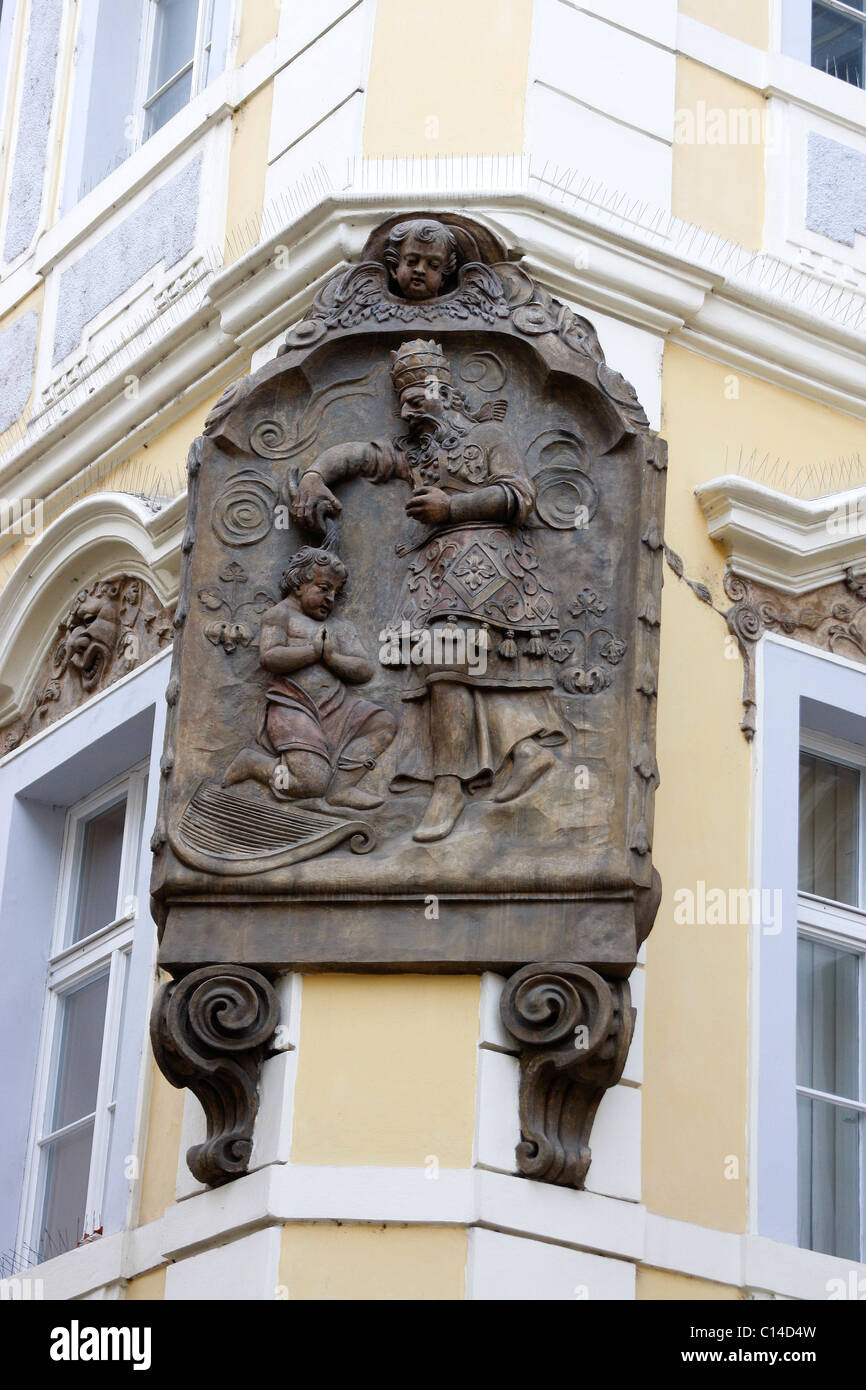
{"x":354,"y":799}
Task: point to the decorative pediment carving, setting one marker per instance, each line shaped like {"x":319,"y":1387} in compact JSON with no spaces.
{"x":112,"y":626}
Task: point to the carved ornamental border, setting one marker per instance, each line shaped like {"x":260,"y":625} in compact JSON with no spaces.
{"x":230,"y":918}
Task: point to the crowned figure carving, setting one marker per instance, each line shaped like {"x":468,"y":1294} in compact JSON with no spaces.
{"x":469,"y":565}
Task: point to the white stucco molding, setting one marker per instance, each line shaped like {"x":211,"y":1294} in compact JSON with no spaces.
{"x":790,"y":543}
{"x":558,"y":1217}
{"x":645,"y":269}
{"x":97,"y":536}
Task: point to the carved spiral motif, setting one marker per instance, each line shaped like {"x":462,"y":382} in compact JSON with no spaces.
{"x":737,"y":590}
{"x":561,"y":491}
{"x":307,"y":332}
{"x":484,"y":371}
{"x":227,"y":1011}
{"x":243,"y":514}
{"x":544,"y":1005}
{"x":746,"y":623}
{"x":271,"y":439}
{"x":533,"y":319}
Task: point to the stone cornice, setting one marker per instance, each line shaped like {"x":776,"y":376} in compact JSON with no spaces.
{"x":677,"y":282}
{"x":789,"y":543}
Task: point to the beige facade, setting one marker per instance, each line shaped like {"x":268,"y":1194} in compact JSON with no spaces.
{"x":384,"y":1161}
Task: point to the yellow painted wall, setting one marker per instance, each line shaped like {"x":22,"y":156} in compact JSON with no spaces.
{"x":448,"y":80}
{"x":325,"y":1262}
{"x":147,"y":1286}
{"x":161,"y":463}
{"x":721,"y":411}
{"x":260,"y":20}
{"x":660,"y":1284}
{"x":694,"y":1095}
{"x":159,"y":1169}
{"x":248,"y":168}
{"x":386,"y":1070}
{"x":748,"y":20}
{"x":719,"y":185}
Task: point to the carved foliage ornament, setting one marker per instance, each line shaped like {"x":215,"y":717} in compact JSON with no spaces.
{"x":832,"y":618}
{"x":418,"y":635}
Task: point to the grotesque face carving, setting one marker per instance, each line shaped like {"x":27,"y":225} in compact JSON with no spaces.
{"x":93,"y":628}
{"x":420,"y":256}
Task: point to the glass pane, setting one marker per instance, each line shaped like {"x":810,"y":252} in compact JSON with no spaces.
{"x":173,"y":40}
{"x":829,"y":797}
{"x":215,"y":52}
{"x":99,"y":874}
{"x":829,"y":1178}
{"x":79,"y":1051}
{"x":828,"y":1030}
{"x":101,"y":124}
{"x":168,"y":105}
{"x":67,"y":1171}
{"x":838,"y":42}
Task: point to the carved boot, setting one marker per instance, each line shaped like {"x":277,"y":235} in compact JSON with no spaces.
{"x":344,"y":791}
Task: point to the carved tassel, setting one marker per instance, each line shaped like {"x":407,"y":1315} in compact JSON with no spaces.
{"x":508,"y":647}
{"x":536,"y":646}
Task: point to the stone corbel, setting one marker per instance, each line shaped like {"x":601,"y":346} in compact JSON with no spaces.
{"x":210,"y":1030}
{"x":574,"y":1029}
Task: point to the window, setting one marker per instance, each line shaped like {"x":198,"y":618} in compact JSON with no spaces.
{"x":839,"y":39}
{"x":77,"y":1080}
{"x":831,"y":990}
{"x":137,"y":64}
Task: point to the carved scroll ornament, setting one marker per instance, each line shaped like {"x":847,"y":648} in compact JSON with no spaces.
{"x":209,"y":1031}
{"x":574,"y":1029}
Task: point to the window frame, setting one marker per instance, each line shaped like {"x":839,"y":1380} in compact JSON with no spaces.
{"x":846,"y":12}
{"x":70,"y":966}
{"x":201,"y":49}
{"x":830,"y":922}
{"x":799,"y":688}
{"x":73,"y":155}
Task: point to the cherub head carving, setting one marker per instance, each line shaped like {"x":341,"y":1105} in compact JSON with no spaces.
{"x":420,"y":256}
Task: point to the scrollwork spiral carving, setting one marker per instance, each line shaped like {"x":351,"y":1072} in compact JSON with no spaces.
{"x":574,"y":1028}
{"x":547,"y":1006}
{"x":209,"y":1031}
{"x":243,"y":514}
{"x":271,"y":439}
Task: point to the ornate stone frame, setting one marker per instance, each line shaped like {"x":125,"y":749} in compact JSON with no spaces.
{"x":569,"y":1009}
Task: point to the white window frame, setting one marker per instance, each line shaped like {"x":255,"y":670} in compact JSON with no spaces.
{"x":201,"y":52}
{"x":787,"y":672}
{"x":140,"y":100}
{"x":843,"y":926}
{"x":71,"y":966}
{"x":795,"y":31}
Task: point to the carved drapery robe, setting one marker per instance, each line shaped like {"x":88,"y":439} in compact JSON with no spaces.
{"x":481,"y":574}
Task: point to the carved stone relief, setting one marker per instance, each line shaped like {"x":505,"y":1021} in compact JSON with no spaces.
{"x":111,"y":627}
{"x":832,"y":618}
{"x":418,"y":654}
